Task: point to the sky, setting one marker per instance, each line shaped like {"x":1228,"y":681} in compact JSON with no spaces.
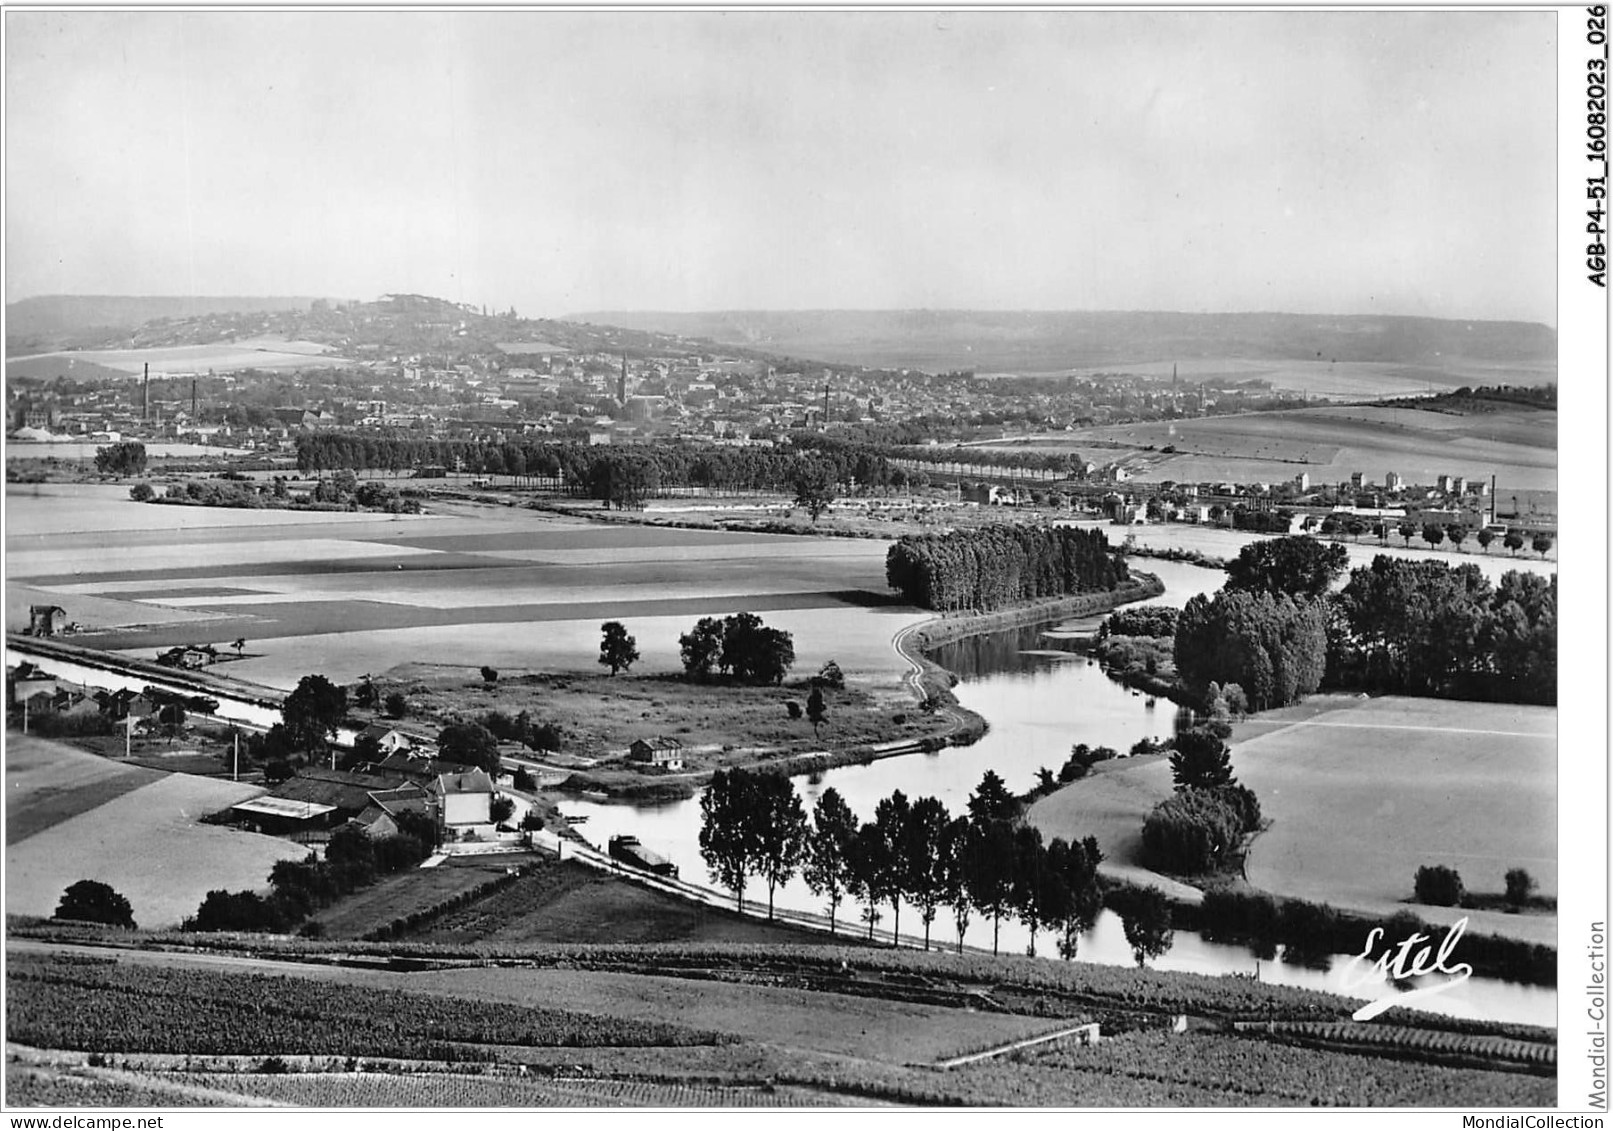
{"x":1313,"y":162}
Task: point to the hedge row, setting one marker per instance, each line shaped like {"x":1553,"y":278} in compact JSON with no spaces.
{"x":403,"y":925}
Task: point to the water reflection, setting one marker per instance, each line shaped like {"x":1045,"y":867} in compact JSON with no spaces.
{"x":1040,"y":697}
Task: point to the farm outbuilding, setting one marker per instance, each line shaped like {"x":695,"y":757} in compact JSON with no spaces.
{"x":658,"y":751}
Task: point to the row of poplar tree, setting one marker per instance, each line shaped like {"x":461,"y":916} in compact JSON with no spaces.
{"x":753,"y":825}
{"x":992,"y":566}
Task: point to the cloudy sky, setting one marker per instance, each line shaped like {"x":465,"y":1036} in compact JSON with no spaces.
{"x":1384,"y":162}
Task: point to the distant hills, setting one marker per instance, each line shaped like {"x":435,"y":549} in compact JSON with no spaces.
{"x":53,"y":319}
{"x":1050,"y":341}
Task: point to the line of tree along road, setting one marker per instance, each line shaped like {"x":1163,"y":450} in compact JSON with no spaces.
{"x":986,"y":861}
{"x":622,"y":476}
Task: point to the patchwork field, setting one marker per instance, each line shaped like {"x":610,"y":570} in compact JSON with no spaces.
{"x":1518,"y":446}
{"x":488,"y":585}
{"x":1359,"y":794}
{"x":146,"y":843}
{"x":49,"y":782}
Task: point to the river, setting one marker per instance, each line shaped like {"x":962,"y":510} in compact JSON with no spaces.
{"x":1039,"y":698}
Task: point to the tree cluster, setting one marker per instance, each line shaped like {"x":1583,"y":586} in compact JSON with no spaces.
{"x":1426,"y":628}
{"x":312,"y":712}
{"x":739,"y":645}
{"x":301,"y":887}
{"x":1194,"y":830}
{"x":992,"y":566}
{"x":621,"y":477}
{"x":1295,"y":566}
{"x":127,"y":457}
{"x":1438,"y":886}
{"x":1273,"y":646}
{"x":523,"y":729}
{"x":1407,"y":627}
{"x":1149,"y":620}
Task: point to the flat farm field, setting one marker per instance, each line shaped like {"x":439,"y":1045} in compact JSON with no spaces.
{"x":1360,"y":797}
{"x":1517,"y":446}
{"x":147,"y":844}
{"x":50,"y":782}
{"x":346,"y":594}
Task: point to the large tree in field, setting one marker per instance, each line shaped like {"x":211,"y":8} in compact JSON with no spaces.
{"x":91,"y":901}
{"x":815,"y":487}
{"x":1299,"y":566}
{"x":701,"y":647}
{"x":728,"y":834}
{"x":1433,"y":534}
{"x":781,"y":831}
{"x":313,"y":711}
{"x":1485,"y":536}
{"x":828,"y":850}
{"x":617,"y":650}
{"x":1200,"y":760}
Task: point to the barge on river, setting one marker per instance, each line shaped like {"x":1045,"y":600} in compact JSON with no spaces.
{"x":629,"y":851}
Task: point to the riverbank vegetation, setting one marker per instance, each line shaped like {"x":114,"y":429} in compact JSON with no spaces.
{"x":995,"y":566}
{"x":1401,"y":627}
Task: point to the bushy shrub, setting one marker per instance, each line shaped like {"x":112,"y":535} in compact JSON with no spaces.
{"x":1438,"y":885}
{"x":1153,"y":621}
{"x":1192,"y":831}
{"x":1520,"y":885}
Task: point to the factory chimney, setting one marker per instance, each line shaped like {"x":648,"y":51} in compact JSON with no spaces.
{"x":145,"y":393}
{"x":826,"y":404}
{"x":621,"y":384}
{"x":193,"y":400}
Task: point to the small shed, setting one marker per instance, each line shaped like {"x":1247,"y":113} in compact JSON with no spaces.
{"x":658,"y":751}
{"x":388,"y":738}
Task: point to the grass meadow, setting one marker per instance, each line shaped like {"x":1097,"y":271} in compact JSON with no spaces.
{"x":1359,"y":793}
{"x":146,"y":843}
